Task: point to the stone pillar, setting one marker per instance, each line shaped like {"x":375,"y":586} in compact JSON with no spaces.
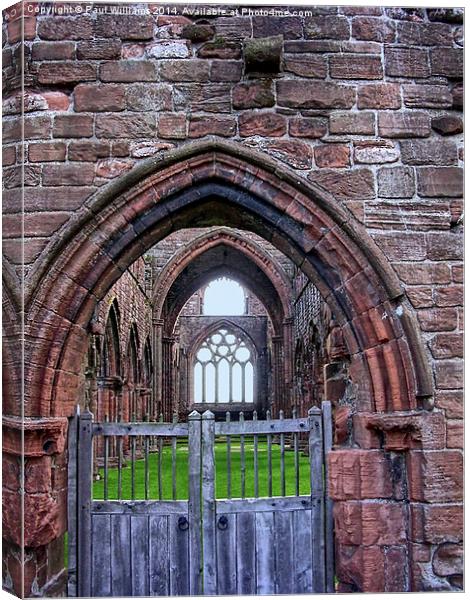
{"x":157,"y":363}
{"x":288,"y":359}
{"x":167,"y":375}
{"x":279,"y":395}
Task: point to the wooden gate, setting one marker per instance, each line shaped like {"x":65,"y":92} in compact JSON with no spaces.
{"x":269,"y":541}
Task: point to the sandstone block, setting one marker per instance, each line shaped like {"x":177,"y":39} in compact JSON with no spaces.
{"x":404,"y":124}
{"x":72,"y":126}
{"x":358,"y":474}
{"x":65,"y":28}
{"x":424,"y":34}
{"x":438,"y":319}
{"x":65,"y":72}
{"x":82,"y":174}
{"x":99,"y":97}
{"x":110,"y":168}
{"x":47,"y":152}
{"x":226,"y":70}
{"x":356,"y":67}
{"x":371,"y":29}
{"x":445,"y":245}
{"x":256,"y":94}
{"x":185,"y":70}
{"x":440,"y":181}
{"x":295,"y":153}
{"x":427,"y":96}
{"x":125,"y":26}
{"x":407,"y":62}
{"x":142,"y":97}
{"x":266,"y":124}
{"x":327,"y":27}
{"x":306,"y":65}
{"x":447,"y":345}
{"x":447,"y":124}
{"x":53,"y":51}
{"x":429,"y":152}
{"x":447,"y":62}
{"x":128,"y":71}
{"x":93,"y":49}
{"x":88,"y":151}
{"x":379,"y":95}
{"x":223,"y":50}
{"x":305,"y":127}
{"x":435,"y":476}
{"x":172,"y":126}
{"x":375,"y":152}
{"x":321,"y":95}
{"x":332,"y":156}
{"x":168,"y":49}
{"x":353,"y":123}
{"x":449,"y":373}
{"x":125,"y":126}
{"x":396,"y":182}
{"x":356,"y":184}
{"x":202,"y":126}
{"x":455,"y":434}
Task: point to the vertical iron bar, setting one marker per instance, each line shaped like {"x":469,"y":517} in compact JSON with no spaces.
{"x":242,"y":455}
{"x":283,"y":452}
{"x":147,"y":472}
{"x":160,"y":458}
{"x":229,"y":459}
{"x":270,"y":458}
{"x":255,"y":456}
{"x":173,"y":461}
{"x":296,"y":455}
{"x":106,"y":459}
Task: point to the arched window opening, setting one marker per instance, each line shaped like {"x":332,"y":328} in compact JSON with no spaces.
{"x":111,"y":356}
{"x":224,"y":296}
{"x":224,"y":370}
{"x":132,"y":354}
{"x":147,"y":364}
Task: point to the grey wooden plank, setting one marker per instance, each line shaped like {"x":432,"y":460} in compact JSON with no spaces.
{"x":84,"y":491}
{"x":179,"y":556}
{"x":139,"y":552}
{"x":208,"y":504}
{"x":246,"y":556}
{"x":72,"y":505}
{"x":163,"y":507}
{"x":143,"y":428}
{"x":159,"y":568}
{"x":284,"y":552}
{"x":120,"y":555}
{"x":194,"y":503}
{"x":265,"y":554}
{"x":286,"y":503}
{"x":303,"y":579}
{"x":316,"y":486}
{"x":101,"y":555}
{"x":268,"y":426}
{"x":226,"y":554}
{"x":329,"y":522}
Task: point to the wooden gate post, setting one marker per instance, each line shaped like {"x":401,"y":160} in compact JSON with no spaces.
{"x":329,"y":533}
{"x":84,"y":492}
{"x":208,"y":504}
{"x":315,"y":445}
{"x":194,"y":504}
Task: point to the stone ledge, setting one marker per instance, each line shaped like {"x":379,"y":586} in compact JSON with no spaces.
{"x":43,"y":436}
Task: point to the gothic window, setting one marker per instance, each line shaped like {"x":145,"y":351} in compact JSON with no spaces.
{"x":224,"y":369}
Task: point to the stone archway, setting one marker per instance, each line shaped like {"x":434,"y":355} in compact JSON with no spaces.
{"x":219,"y":183}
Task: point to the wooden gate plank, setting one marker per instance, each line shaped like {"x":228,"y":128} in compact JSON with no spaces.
{"x":120,"y":555}
{"x":265,"y":554}
{"x":101,"y":555}
{"x":159,"y":567}
{"x":329,"y":522}
{"x":208,"y":504}
{"x":194,"y":503}
{"x":284,"y":553}
{"x":303,"y":580}
{"x":227,"y":556}
{"x":179,"y":557}
{"x":246,"y":559}
{"x":317,"y":487}
{"x":140,"y":555}
{"x":84,"y":492}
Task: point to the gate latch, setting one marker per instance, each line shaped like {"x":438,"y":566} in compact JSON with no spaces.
{"x":223,"y":522}
{"x":183,"y":524}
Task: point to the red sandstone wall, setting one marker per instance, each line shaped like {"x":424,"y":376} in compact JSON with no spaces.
{"x":368,"y":104}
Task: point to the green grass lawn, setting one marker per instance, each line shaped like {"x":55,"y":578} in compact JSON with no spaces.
{"x":221,"y":473}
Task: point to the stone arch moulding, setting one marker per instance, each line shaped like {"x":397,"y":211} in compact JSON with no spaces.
{"x":218,"y":255}
{"x":222,"y":236}
{"x":222,"y":183}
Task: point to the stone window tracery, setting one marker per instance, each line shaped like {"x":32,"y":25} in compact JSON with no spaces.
{"x":224,"y":369}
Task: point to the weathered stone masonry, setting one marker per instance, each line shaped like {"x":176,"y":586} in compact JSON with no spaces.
{"x":352,"y":149}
